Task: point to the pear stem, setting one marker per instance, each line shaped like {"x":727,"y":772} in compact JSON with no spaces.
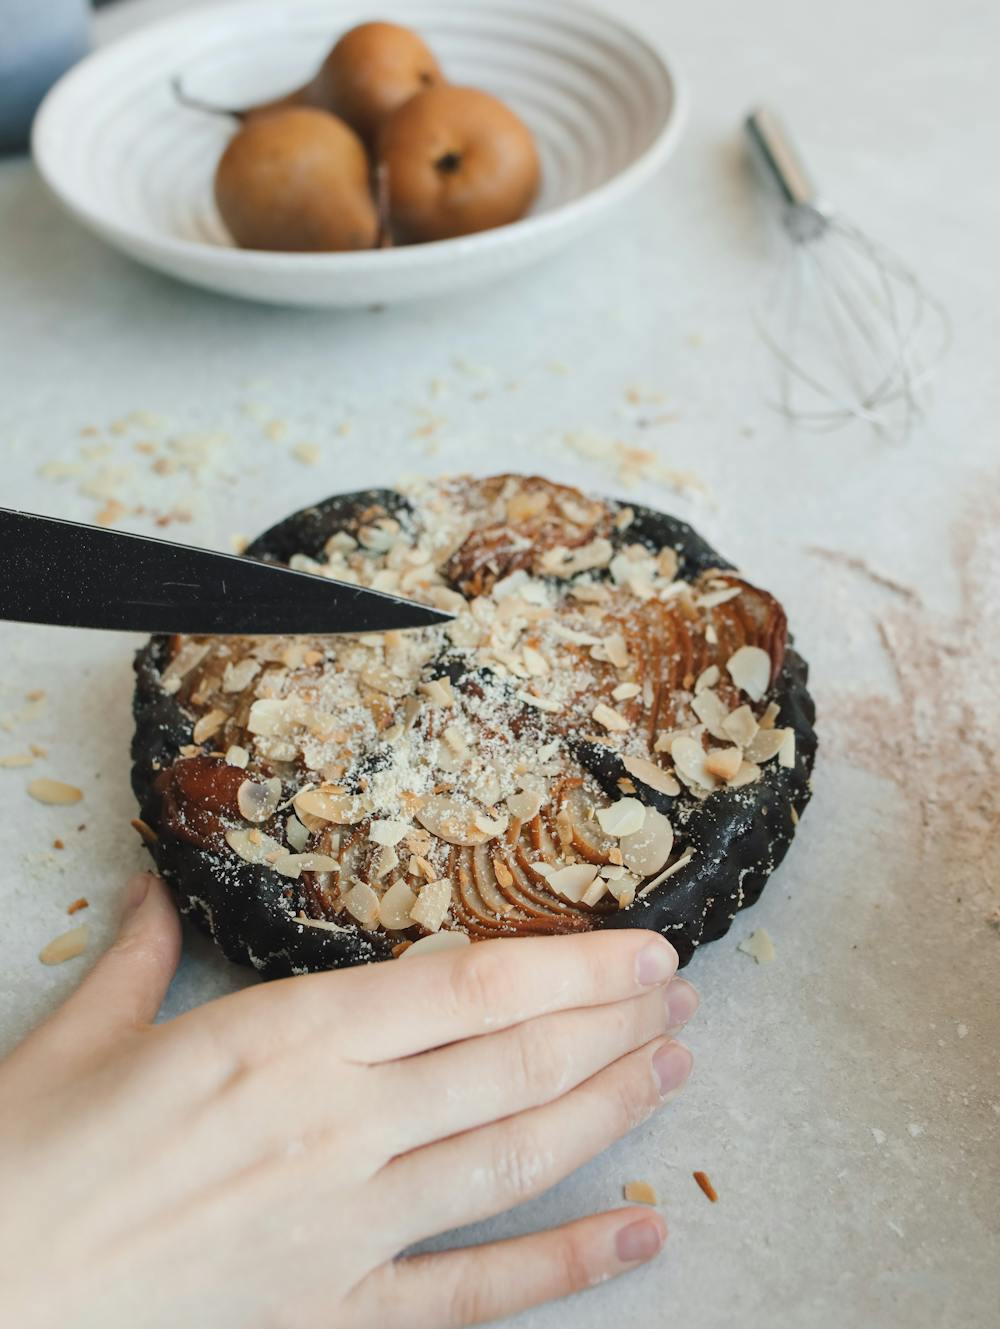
{"x":195,"y":104}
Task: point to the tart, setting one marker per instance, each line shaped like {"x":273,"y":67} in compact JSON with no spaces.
{"x":613,"y":731}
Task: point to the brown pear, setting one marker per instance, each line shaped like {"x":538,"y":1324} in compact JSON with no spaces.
{"x":296,"y":179}
{"x":372,"y":69}
{"x":456,"y":160}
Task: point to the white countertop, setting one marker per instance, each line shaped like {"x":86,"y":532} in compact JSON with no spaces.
{"x":846,"y":1101}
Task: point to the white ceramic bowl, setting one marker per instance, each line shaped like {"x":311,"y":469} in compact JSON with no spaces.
{"x":119,"y":152}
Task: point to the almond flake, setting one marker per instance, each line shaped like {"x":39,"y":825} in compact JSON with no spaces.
{"x":767,"y":743}
{"x":610,"y":719}
{"x":710,"y":710}
{"x":682,"y":862}
{"x":689,"y":762}
{"x":639,"y":1192}
{"x":361,"y":903}
{"x":257,"y":802}
{"x":433,"y":903}
{"x":253,"y":846}
{"x":786,"y":753}
{"x":292,"y":865}
{"x":707,"y":678}
{"x":451,"y":821}
{"x":594,"y":892}
{"x":209,"y":724}
{"x":341,"y":809}
{"x":534,"y":661}
{"x":296,"y":834}
{"x":647,"y":849}
{"x":759,"y":945}
{"x":269,"y":716}
{"x":613,"y":650}
{"x":237,"y":756}
{"x":438,"y":691}
{"x":651,"y":775}
{"x":626,"y":691}
{"x":236,"y":677}
{"x":66,"y":946}
{"x":625,"y":817}
{"x":770,"y":715}
{"x":740,"y":725}
{"x":394,"y":907}
{"x":54,"y":792}
{"x":385,"y":861}
{"x":539,"y":703}
{"x":750,"y":670}
{"x":589,"y":592}
{"x":712,"y":598}
{"x":323,"y":923}
{"x":437,"y":941}
{"x":493,"y":826}
{"x":388,"y":831}
{"x":570,"y":882}
{"x":723,"y":763}
{"x":16,"y":759}
{"x":748,"y":773}
{"x":525,"y":805}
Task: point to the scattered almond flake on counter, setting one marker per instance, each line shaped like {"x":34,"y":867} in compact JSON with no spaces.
{"x":759,"y":945}
{"x":238,"y":542}
{"x":77,"y":905}
{"x":307,"y":453}
{"x":750,"y":670}
{"x":639,"y":1192}
{"x":16,"y":759}
{"x":36,"y":694}
{"x":705,"y":1185}
{"x":67,"y":946}
{"x":54,"y":792}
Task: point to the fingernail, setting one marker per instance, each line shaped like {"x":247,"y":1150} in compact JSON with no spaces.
{"x":135,"y":892}
{"x":682,"y":1002}
{"x":671,"y":1066}
{"x":639,"y":1241}
{"x":655,"y":963}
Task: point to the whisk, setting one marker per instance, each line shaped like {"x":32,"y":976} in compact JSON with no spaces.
{"x":853,"y":333}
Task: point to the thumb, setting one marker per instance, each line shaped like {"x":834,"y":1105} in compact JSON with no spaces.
{"x":126,"y":987}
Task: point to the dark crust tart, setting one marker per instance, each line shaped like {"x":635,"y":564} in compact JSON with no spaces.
{"x":740,"y":834}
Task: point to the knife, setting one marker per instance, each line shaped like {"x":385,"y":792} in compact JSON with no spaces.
{"x":72,"y":575}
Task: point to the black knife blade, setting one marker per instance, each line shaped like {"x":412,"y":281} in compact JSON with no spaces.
{"x":73,"y":575}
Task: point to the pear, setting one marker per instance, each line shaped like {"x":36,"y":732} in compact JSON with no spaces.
{"x":296,"y":179}
{"x":455,"y":160}
{"x":371,"y":70}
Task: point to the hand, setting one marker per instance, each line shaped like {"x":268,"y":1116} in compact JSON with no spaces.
{"x":262,"y":1161}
